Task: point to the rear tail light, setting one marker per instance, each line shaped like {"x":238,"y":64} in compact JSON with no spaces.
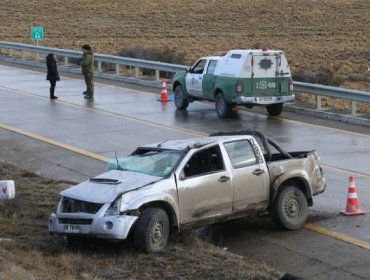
{"x":239,"y":87}
{"x":291,"y":87}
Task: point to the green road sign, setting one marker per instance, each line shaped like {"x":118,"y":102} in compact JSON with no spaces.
{"x":37,"y":33}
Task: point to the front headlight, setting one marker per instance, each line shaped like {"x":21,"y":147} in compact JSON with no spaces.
{"x":114,"y":208}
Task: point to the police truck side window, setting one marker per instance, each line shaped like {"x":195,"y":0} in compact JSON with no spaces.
{"x":199,"y":68}
{"x":211,"y":66}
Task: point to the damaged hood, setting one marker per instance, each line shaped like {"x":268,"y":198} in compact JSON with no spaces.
{"x":98,"y":190}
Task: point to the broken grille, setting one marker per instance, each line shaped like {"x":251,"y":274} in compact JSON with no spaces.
{"x":72,"y":221}
{"x":70,"y":205}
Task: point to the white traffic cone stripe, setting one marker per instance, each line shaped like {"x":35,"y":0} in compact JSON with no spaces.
{"x":352,"y":195}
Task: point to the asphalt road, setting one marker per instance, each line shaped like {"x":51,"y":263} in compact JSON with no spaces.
{"x":72,"y":138}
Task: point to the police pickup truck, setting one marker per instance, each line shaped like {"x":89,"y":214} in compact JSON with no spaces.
{"x":240,"y":77}
{"x":177,"y":184}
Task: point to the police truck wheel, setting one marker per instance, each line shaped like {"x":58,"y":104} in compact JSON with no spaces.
{"x":181,"y":101}
{"x":275,"y":109}
{"x":223,"y":108}
{"x":290,"y":209}
{"x":152,"y":230}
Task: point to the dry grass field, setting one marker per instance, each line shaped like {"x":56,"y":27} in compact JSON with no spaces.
{"x":315,"y":34}
{"x":28,"y":252}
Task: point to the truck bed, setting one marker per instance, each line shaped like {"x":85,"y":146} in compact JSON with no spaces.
{"x":294,"y":155}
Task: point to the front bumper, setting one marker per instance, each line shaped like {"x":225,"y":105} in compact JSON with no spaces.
{"x":264,"y":100}
{"x":109,"y":227}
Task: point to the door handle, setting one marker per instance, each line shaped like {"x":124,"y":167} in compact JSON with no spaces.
{"x":223,"y":179}
{"x":258,"y":172}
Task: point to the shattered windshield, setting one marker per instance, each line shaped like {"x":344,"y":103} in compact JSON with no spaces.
{"x":152,"y":162}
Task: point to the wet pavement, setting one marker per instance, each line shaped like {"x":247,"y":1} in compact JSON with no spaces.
{"x":72,"y":138}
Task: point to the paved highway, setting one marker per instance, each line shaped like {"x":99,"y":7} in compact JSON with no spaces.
{"x":72,"y":139}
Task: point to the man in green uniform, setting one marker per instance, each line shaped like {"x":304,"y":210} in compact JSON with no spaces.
{"x":87,"y":69}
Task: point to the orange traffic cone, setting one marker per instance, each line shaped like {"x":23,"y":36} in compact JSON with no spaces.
{"x":352,"y":207}
{"x":164,"y":96}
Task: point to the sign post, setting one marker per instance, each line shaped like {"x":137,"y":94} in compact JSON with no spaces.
{"x":37,"y":34}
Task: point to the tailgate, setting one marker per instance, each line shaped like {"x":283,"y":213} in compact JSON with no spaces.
{"x":265,"y":74}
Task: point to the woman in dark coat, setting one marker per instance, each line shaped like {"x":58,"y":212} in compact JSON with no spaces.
{"x":53,"y":75}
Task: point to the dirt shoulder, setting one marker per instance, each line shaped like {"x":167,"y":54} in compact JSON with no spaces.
{"x":27,"y":251}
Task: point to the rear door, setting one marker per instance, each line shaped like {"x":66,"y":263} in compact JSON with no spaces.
{"x":250,"y":176}
{"x":265,"y":75}
{"x":209,"y":79}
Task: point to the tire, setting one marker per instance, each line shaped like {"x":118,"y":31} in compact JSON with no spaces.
{"x":275,"y":109}
{"x":223,"y":108}
{"x":290,"y":209}
{"x":181,"y":102}
{"x":152,"y":231}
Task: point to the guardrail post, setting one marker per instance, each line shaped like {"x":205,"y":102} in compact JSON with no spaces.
{"x":66,"y":61}
{"x":99,"y":66}
{"x":11,"y":53}
{"x":157,"y":75}
{"x":118,"y":69}
{"x":23,"y":55}
{"x":318,"y":102}
{"x":137,"y":72}
{"x":353,"y":107}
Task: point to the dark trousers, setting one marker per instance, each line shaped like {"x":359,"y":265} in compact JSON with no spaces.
{"x":89,"y":80}
{"x":52,"y":88}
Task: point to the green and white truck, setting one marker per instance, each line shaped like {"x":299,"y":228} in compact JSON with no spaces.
{"x":250,"y":77}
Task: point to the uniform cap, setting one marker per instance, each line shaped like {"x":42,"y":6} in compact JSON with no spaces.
{"x":86,"y":47}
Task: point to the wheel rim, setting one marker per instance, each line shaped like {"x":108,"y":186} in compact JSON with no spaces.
{"x":156,"y":235}
{"x":292,"y":208}
{"x":221,"y":105}
{"x":179,"y":98}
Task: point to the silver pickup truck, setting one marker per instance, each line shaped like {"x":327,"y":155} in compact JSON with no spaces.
{"x":173,"y":185}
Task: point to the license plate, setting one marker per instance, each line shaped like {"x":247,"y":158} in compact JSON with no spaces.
{"x":265,"y":100}
{"x":71,"y":228}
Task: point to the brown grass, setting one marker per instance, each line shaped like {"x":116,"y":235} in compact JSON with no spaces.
{"x":33,"y":254}
{"x":315,"y":34}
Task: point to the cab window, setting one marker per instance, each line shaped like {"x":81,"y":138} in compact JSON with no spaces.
{"x":241,"y":153}
{"x":211,"y":66}
{"x":204,"y":162}
{"x":199,"y":67}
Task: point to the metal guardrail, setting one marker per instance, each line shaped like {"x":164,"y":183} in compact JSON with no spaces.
{"x":334,"y":92}
{"x":138,"y":64}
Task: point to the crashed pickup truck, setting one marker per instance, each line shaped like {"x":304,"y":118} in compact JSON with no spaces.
{"x":172,"y":185}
